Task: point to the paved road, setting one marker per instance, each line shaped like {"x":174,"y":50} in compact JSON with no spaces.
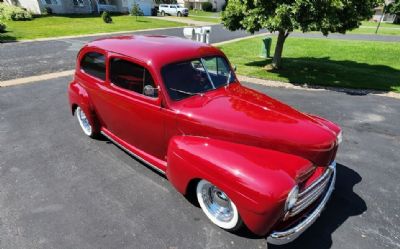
{"x":41,"y":57}
{"x":60,"y":189}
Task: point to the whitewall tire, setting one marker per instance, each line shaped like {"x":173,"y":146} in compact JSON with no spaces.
{"x":84,"y":122}
{"x":217,"y":206}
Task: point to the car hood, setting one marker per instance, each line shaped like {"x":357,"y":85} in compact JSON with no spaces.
{"x":242,"y":115}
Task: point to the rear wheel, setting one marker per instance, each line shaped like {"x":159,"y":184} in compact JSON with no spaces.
{"x":162,"y":13}
{"x":87,"y":128}
{"x":218,"y":207}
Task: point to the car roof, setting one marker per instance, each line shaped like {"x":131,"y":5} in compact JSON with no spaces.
{"x":157,"y":50}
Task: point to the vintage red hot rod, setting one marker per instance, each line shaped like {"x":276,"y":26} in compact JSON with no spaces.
{"x":177,"y":106}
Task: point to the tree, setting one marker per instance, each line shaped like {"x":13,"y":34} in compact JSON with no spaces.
{"x":284,"y":16}
{"x":394,"y":9}
{"x":136,"y":10}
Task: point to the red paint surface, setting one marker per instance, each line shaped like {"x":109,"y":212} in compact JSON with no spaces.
{"x":250,"y":145}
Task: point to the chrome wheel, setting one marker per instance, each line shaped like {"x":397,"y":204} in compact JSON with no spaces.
{"x":83,"y":121}
{"x":217,"y":205}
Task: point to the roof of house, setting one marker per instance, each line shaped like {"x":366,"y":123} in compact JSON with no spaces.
{"x":155,"y":49}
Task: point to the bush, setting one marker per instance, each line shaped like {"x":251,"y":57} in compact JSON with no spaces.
{"x":207,"y":6}
{"x":14,"y":13}
{"x":3,"y":27}
{"x":106,"y":17}
{"x":48,"y":10}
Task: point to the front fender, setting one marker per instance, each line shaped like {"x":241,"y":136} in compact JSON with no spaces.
{"x":257,"y":180}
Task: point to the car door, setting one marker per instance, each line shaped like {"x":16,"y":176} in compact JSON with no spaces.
{"x":172,"y":10}
{"x":129,"y":114}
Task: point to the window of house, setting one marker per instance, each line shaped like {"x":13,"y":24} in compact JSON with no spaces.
{"x":131,"y":76}
{"x":79,"y":3}
{"x":103,"y":2}
{"x":94,"y":64}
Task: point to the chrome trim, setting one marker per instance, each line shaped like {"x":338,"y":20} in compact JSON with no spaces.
{"x":286,"y":236}
{"x":133,"y":154}
{"x":310,"y":194}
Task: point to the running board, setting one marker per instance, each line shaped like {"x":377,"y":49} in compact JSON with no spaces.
{"x":133,"y":154}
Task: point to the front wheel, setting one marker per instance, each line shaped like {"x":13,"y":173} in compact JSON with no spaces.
{"x":218,"y":207}
{"x":179,"y":14}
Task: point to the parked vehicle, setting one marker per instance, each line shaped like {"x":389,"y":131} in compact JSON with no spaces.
{"x":173,"y":10}
{"x":178,"y":106}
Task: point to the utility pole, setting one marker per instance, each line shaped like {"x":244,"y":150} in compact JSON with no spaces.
{"x":380,"y":20}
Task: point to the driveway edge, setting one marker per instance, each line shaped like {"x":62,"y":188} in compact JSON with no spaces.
{"x":88,"y":35}
{"x":350,"y":91}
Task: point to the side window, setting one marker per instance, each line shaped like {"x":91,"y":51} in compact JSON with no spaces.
{"x":132,"y":77}
{"x":94,"y":64}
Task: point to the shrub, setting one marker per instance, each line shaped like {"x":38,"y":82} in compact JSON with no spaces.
{"x":207,"y":6}
{"x":136,"y":10}
{"x":48,"y":11}
{"x":14,"y":13}
{"x":106,"y":17}
{"x":3,"y":27}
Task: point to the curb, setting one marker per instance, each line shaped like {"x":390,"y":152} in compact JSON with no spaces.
{"x":33,"y":79}
{"x":350,"y":91}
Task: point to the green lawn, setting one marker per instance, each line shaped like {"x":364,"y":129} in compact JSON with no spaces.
{"x":53,"y":26}
{"x":383,"y":24}
{"x":384,"y":29}
{"x":205,"y":19}
{"x":204,"y":13}
{"x":199,"y":15}
{"x":342,"y":63}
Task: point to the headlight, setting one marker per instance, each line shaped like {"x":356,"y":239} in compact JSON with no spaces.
{"x":340,"y":137}
{"x":292,"y":198}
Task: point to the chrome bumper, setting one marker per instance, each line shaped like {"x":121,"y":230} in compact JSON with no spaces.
{"x":283,"y":237}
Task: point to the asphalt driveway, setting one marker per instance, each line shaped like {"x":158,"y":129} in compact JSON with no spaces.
{"x":60,"y":189}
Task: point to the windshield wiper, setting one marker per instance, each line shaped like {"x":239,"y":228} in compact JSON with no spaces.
{"x":184,"y":92}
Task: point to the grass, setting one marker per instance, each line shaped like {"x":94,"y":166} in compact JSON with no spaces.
{"x":203,"y":16}
{"x":205,"y":19}
{"x":340,"y":63}
{"x":54,"y":26}
{"x":384,"y":29}
{"x":204,"y":13}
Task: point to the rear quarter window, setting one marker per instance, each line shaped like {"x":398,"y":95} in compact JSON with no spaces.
{"x":94,"y":64}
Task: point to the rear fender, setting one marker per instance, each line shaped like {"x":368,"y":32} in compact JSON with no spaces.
{"x":257,"y":180}
{"x":78,"y":96}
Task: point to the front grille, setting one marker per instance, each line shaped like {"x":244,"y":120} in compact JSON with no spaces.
{"x":312,"y":193}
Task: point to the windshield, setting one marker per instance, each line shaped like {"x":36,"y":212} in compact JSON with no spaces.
{"x":196,"y":76}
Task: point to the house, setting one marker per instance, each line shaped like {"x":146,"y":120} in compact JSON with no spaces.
{"x":196,"y":4}
{"x":378,"y":11}
{"x":81,"y":6}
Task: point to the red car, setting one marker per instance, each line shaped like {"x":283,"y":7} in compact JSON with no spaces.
{"x":177,"y":106}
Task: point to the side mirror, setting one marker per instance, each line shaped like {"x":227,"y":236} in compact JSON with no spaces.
{"x":150,"y":91}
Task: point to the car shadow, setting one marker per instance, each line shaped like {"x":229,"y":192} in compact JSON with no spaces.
{"x":344,"y":203}
{"x":349,"y":76}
